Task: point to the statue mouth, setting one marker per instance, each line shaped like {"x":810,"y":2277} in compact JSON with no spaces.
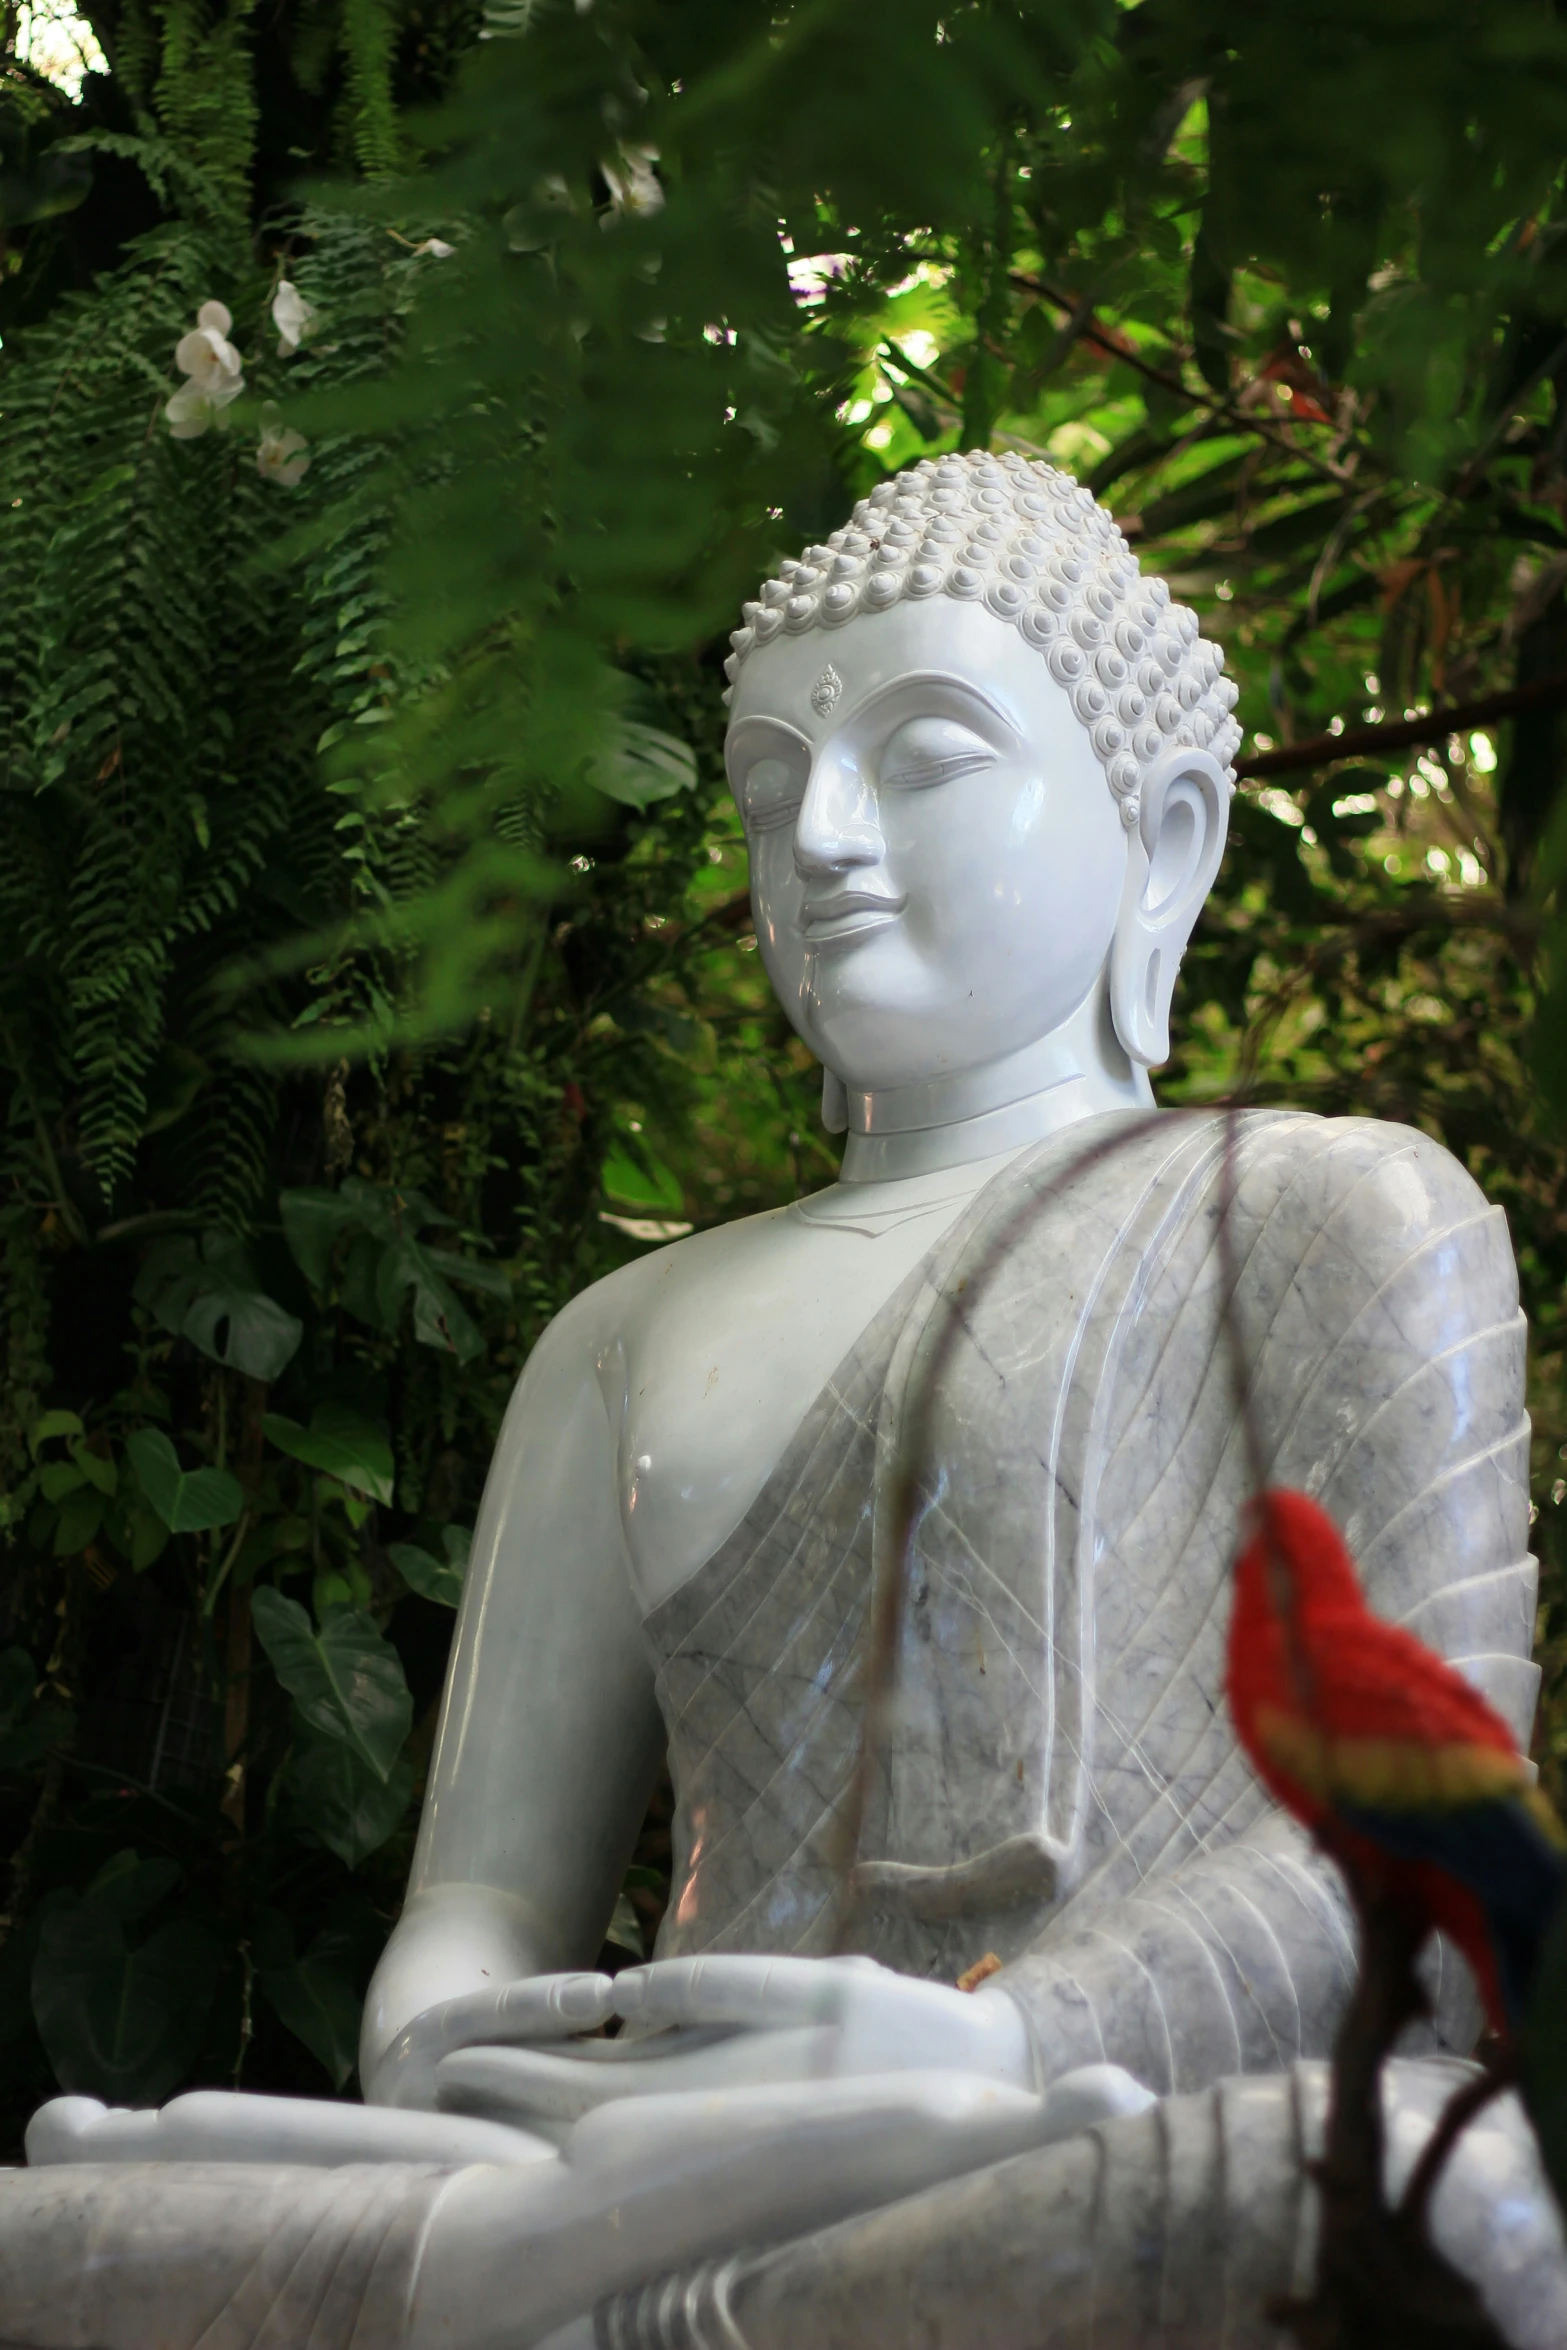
{"x":847,"y":914}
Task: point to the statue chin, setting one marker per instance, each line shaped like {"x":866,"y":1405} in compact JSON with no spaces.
{"x":1048,"y":2059}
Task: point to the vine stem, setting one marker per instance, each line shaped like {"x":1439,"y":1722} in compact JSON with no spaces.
{"x":1394,"y":734}
{"x":905,"y":1496}
{"x":1459,"y":2111}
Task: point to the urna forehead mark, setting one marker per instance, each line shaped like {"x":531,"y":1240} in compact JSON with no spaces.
{"x":786,"y":692}
{"x":1021,"y":541}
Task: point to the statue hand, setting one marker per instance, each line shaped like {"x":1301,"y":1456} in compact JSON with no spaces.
{"x":882,"y":2021}
{"x":732,"y":2022}
{"x":535,"y":2008}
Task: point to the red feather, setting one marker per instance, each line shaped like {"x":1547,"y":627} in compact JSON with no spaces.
{"x":1303,"y":1635}
{"x":1401,"y":1770}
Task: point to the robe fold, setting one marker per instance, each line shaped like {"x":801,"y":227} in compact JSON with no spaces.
{"x":1061,"y":1784}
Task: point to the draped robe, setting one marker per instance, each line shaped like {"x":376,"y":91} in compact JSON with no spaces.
{"x":1060,"y":1783}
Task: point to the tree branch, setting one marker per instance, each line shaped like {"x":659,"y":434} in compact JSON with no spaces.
{"x":1220,"y":411}
{"x":1393,"y":734}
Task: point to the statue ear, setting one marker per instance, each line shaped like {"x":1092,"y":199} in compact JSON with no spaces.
{"x":1170,"y":868}
{"x":835,"y":1103}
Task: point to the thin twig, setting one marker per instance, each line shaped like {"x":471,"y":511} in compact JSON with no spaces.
{"x":1344,"y":937}
{"x":1229,"y":1277}
{"x":1393,"y":734}
{"x":906,"y":1490}
{"x":1459,"y":2111}
{"x":1221,"y":411}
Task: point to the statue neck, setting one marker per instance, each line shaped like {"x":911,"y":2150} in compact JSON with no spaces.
{"x":1076,"y":1072}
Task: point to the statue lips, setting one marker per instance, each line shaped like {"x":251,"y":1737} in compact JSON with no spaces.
{"x":847,"y":915}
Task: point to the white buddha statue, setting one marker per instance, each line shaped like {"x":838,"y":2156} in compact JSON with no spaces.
{"x":984,"y":773}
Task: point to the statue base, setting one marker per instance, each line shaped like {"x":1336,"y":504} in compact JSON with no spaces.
{"x":1183,"y":2223}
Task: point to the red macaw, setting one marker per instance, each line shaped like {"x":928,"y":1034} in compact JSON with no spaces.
{"x":1402,"y":1772}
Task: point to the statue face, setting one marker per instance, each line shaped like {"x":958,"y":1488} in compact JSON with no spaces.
{"x":936,"y":858}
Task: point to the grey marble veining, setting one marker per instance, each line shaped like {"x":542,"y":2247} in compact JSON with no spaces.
{"x":1178,"y":2227}
{"x":196,"y":2256}
{"x":1062,"y":1784}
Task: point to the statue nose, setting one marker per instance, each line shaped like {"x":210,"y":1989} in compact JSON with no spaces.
{"x":837,"y":825}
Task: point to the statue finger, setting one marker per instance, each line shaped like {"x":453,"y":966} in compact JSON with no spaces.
{"x":554,"y":2089}
{"x":760,"y":1992}
{"x":537,"y":2008}
{"x":518,"y":2082}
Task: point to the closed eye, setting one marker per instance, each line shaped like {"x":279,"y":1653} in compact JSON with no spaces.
{"x":927,"y":751}
{"x":770,"y":793}
{"x":919,"y":774}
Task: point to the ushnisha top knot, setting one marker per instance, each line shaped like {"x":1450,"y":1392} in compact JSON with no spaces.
{"x":1020,"y":537}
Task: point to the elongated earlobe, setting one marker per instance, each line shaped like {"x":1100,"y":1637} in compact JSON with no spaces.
{"x":835,"y":1103}
{"x":1171,"y":865}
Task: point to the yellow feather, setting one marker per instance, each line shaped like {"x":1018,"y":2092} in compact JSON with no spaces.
{"x":1395,"y":1774}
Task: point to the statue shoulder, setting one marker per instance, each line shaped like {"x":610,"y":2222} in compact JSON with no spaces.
{"x":1387,"y":1193}
{"x":619,"y":1306}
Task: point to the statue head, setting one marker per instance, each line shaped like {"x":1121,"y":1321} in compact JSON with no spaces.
{"x":984,"y":769}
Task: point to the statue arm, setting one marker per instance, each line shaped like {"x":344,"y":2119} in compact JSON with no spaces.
{"x":1389,"y":1382}
{"x":1406,"y":1419}
{"x":549,"y":1736}
{"x":1237,"y":1961}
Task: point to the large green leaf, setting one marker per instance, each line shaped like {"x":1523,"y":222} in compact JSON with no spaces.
{"x":207,"y":1292}
{"x":641,"y":1181}
{"x":385,"y":1261}
{"x":1545,"y":2056}
{"x":341,"y":1443}
{"x":128,"y":1886}
{"x":29,"y":1725}
{"x":339,"y":1799}
{"x":188,"y":1501}
{"x":52,"y":1424}
{"x":18,"y":1676}
{"x":314,"y":1995}
{"x":313,"y":1223}
{"x":440,"y":1579}
{"x":439,"y":1318}
{"x":346,"y":1680}
{"x":81,"y":1515}
{"x":94,"y":1468}
{"x":120,"y":2021}
{"x":134,"y":1528}
{"x":643,"y":764}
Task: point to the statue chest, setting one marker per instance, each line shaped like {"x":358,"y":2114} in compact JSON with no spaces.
{"x":711,"y":1373}
{"x":1041,"y":1364}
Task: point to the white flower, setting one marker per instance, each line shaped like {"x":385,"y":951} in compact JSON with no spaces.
{"x":216,"y":376}
{"x":437,"y":248}
{"x":209,"y":358}
{"x":633,"y":183}
{"x":281,"y":455}
{"x":189,"y":412}
{"x":293,"y":317}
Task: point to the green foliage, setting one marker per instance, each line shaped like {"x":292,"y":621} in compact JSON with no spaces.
{"x":384,"y":1262}
{"x":315,"y":1992}
{"x":440,"y":1579}
{"x":28,"y":1730}
{"x":122,"y":2019}
{"x":345,"y":1679}
{"x":1544,"y":2063}
{"x":194,"y":1502}
{"x":375,"y":962}
{"x":339,"y":1441}
{"x":207,"y":1292}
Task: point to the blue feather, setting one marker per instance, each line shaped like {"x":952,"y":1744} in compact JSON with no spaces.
{"x":1499,"y":1851}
